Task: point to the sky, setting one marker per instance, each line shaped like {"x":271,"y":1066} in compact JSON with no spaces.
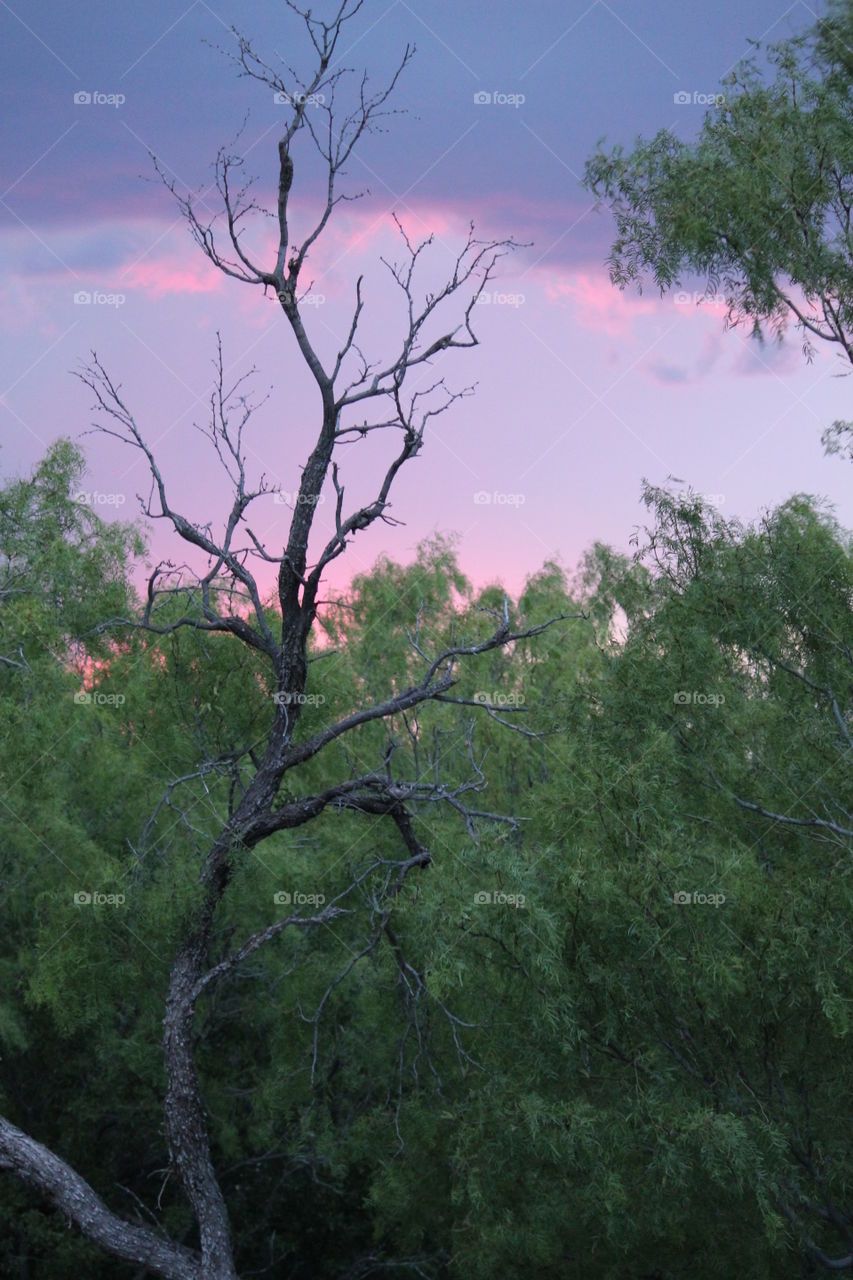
{"x":581,"y":391}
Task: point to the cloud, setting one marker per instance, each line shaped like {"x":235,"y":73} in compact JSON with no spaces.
{"x":691,"y":371}
{"x":596,"y":303}
{"x":118,"y":249}
{"x":728,"y":353}
{"x":161,"y":276}
{"x":363,"y":228}
{"x":154,"y":257}
{"x":35,"y":252}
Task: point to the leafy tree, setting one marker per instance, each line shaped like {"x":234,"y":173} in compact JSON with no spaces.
{"x":707,"y":861}
{"x":759,"y":205}
{"x":62,"y":571}
{"x":656,"y":1082}
{"x":485,"y":947}
{"x":223,"y":726}
{"x":578,"y":1072}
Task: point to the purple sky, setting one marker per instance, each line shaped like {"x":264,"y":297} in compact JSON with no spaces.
{"x":581,"y":391}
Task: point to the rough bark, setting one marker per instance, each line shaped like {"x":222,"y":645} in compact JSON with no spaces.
{"x":46,"y":1173}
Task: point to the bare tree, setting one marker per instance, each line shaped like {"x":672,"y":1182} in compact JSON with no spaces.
{"x":358,"y":397}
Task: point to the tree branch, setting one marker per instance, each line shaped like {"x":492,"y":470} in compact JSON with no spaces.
{"x":47,"y":1174}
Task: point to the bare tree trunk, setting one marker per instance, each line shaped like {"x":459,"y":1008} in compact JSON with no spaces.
{"x":67,"y":1191}
{"x":230,"y":603}
{"x":186,"y":1123}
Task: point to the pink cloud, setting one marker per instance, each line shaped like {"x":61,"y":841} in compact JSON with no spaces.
{"x":363,"y":228}
{"x":597,"y":303}
{"x":160,"y":277}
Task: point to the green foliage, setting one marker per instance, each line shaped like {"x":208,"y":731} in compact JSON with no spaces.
{"x":759,"y":205}
{"x":547,"y":1064}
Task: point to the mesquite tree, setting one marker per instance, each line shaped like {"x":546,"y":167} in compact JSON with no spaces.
{"x":357,"y":398}
{"x":759,"y":204}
